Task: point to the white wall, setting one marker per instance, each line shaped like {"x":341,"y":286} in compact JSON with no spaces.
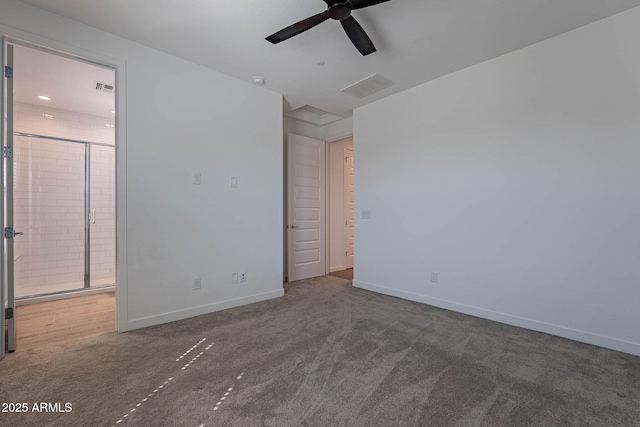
{"x":335,"y":197}
{"x":176,"y":118}
{"x":517,"y":180}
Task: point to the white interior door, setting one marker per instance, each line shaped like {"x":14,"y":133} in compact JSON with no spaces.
{"x":306,"y":243}
{"x":348,"y":205}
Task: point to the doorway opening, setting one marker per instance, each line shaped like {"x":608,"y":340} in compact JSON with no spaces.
{"x":320,"y":221}
{"x":340,"y":196}
{"x":59,"y":197}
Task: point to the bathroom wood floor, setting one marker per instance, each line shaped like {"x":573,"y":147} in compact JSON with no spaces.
{"x":344,"y":274}
{"x":55,"y":321}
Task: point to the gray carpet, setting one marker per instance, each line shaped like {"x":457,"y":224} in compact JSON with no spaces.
{"x":325,"y":354}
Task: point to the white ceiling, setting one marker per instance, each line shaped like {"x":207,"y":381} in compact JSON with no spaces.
{"x":69,"y":83}
{"x":417,"y":40}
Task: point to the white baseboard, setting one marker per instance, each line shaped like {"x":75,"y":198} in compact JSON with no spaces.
{"x":338,"y":268}
{"x":200,"y":310}
{"x":535,"y":325}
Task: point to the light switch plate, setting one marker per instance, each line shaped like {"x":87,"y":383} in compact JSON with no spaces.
{"x":234,"y":278}
{"x":234,"y":182}
{"x":197,"y":178}
{"x":366,"y":214}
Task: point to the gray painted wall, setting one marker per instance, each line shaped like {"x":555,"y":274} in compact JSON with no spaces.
{"x":517,"y":181}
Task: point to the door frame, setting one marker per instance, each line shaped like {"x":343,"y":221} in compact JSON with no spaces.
{"x":342,"y":201}
{"x":327,"y":203}
{"x":345,"y":207}
{"x":18,"y":37}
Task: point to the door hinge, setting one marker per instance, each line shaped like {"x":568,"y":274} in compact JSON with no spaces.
{"x":10,"y":232}
{"x":8,"y":72}
{"x":7,"y":152}
{"x":8,"y":313}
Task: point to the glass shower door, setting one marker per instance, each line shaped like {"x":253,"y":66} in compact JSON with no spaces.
{"x":49,"y":208}
{"x":102,"y":241}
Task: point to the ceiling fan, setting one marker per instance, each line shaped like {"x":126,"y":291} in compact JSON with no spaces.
{"x":339,"y":10}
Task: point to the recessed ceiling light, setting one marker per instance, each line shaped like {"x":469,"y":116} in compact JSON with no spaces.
{"x":47,"y":116}
{"x":109,"y":125}
{"x":259,"y":80}
{"x":44,"y":98}
{"x":113,"y":111}
{"x":320,"y":63}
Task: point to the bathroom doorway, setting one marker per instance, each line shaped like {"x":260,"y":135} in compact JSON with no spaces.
{"x":59,"y":191}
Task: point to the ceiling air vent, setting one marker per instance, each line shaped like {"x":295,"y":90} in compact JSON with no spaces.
{"x":104,"y":87}
{"x":368,"y":86}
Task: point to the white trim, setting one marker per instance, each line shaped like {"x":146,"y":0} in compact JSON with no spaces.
{"x":535,"y":325}
{"x":343,"y":253}
{"x":347,"y":135}
{"x":338,"y":268}
{"x":203,"y":309}
{"x":122,"y":281}
{"x":327,"y":209}
{"x":345,"y":203}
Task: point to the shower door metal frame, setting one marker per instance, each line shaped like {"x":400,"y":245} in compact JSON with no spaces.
{"x":3,"y":130}
{"x":89,"y":215}
{"x":87,"y":220}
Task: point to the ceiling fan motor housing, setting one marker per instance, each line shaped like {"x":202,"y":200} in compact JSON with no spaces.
{"x":339,"y":10}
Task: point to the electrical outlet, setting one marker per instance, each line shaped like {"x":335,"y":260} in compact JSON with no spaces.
{"x":243,"y":276}
{"x":234,"y":278}
{"x":197,"y":283}
{"x":434,"y":277}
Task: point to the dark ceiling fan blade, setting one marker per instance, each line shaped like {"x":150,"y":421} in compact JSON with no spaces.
{"x":297,"y":28}
{"x":360,"y":39}
{"x":359,"y":4}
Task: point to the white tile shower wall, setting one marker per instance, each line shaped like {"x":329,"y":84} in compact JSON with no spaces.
{"x":48,"y":209}
{"x":49,"y":201}
{"x":103,"y":222}
{"x":63,"y":124}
